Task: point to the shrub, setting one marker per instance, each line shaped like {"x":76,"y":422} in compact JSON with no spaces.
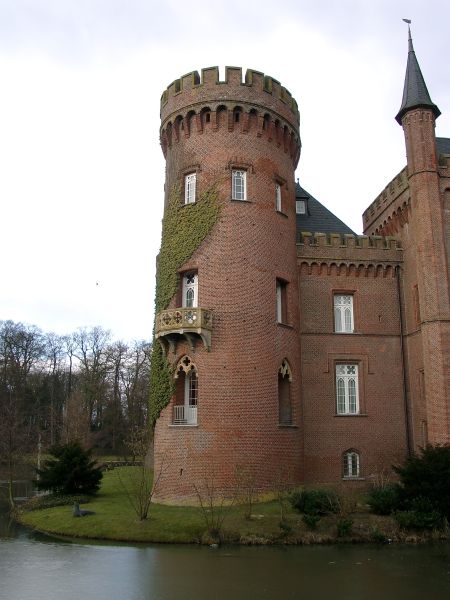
{"x":50,"y":500}
{"x":344,"y":527}
{"x":427,"y":475}
{"x":383,"y":500}
{"x":69,"y":471}
{"x":315,"y":502}
{"x":311,"y":521}
{"x":378,"y":536}
{"x":285,"y":527}
{"x":414,"y":519}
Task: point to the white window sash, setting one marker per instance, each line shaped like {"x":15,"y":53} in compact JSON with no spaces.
{"x":190,"y":182}
{"x":347,"y":393}
{"x":279,"y":304}
{"x":343,"y":313}
{"x":190,"y":291}
{"x":239,"y":185}
{"x":351,"y":464}
{"x":278,"y":197}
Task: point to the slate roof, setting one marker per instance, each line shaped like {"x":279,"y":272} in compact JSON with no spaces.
{"x":443,"y":145}
{"x":415,"y":92}
{"x":318,"y":218}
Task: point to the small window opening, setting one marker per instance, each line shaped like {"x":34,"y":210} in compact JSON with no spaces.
{"x":300,"y":207}
{"x":350,"y":465}
{"x":281,"y":301}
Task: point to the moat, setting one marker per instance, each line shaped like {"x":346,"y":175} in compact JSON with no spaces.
{"x":38,"y":567}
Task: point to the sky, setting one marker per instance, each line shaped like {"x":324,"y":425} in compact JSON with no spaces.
{"x":81,"y":168}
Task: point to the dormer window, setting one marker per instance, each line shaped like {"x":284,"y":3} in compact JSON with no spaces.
{"x":300,"y":207}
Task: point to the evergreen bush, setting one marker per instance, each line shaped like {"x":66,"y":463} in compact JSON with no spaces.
{"x":383,"y":500}
{"x":426,"y":476}
{"x":70,"y":470}
{"x":315,"y":502}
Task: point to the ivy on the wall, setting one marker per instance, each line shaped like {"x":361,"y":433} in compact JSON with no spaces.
{"x":184,"y":228}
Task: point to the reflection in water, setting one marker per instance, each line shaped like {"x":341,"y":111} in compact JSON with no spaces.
{"x":38,"y":567}
{"x":45,"y":569}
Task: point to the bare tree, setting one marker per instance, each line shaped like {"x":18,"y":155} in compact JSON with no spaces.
{"x":21,"y":349}
{"x":139,"y":482}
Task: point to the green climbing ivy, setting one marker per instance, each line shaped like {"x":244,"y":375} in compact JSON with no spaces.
{"x":184,"y":228}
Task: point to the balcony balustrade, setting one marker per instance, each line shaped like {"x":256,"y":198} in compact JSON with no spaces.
{"x":184,"y":415}
{"x":186,"y":322}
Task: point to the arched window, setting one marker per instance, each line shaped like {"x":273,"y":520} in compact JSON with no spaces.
{"x":190,"y":290}
{"x":347,"y":396}
{"x":186,"y":393}
{"x":284,"y":394}
{"x":350,"y":464}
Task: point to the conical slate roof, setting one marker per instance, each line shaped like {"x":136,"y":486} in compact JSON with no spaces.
{"x":415,"y":93}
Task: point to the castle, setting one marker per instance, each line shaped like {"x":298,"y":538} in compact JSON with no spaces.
{"x":289,"y":347}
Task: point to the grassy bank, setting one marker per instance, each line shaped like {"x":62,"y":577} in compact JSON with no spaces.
{"x":115,"y":519}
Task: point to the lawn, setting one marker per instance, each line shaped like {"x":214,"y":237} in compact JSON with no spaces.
{"x":115,"y":519}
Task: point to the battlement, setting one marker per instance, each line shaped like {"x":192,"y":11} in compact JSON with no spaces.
{"x":256,"y":88}
{"x":347,"y":240}
{"x":385,"y":199}
{"x":351,"y":255}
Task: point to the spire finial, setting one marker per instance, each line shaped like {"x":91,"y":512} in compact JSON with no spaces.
{"x":415,"y":93}
{"x":410,"y":44}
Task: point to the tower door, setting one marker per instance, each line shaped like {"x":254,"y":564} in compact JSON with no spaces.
{"x":190,"y":290}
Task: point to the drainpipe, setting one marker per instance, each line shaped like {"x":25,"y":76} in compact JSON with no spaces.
{"x":403,"y":354}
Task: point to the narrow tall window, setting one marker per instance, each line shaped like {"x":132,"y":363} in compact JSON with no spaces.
{"x":281,"y":301}
{"x":190,"y":290}
{"x":350,"y":466}
{"x":284,"y":394}
{"x":347,"y":396}
{"x":186,"y":394}
{"x":343,"y":313}
{"x":278,"y":197}
{"x":239,"y":185}
{"x":190,"y":182}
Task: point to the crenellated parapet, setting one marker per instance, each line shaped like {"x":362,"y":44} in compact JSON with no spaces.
{"x":390,"y":210}
{"x":258,"y":105}
{"x":358,"y":255}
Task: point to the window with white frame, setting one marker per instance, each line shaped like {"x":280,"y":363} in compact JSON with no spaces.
{"x":350,"y":465}
{"x":190,"y":182}
{"x":343,"y":313}
{"x":186,"y":393}
{"x":278,"y":197}
{"x":347,"y":396}
{"x":300,"y":207}
{"x":239,"y":184}
{"x":190,"y":290}
{"x":281,"y":301}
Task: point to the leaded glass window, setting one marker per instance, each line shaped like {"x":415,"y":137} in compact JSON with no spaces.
{"x":343,"y":313}
{"x":347,"y":401}
{"x":351,"y":464}
{"x":239,"y":191}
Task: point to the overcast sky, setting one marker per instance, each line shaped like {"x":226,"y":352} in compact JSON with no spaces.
{"x":81,"y":169}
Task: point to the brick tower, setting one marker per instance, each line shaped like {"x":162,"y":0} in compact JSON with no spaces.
{"x":227,"y":321}
{"x":427,"y":274}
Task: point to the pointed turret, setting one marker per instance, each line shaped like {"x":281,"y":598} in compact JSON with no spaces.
{"x":415,"y":92}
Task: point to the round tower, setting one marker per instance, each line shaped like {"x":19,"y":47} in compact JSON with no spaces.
{"x":226,"y":372}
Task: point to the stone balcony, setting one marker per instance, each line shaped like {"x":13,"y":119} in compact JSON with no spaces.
{"x":189,"y":323}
